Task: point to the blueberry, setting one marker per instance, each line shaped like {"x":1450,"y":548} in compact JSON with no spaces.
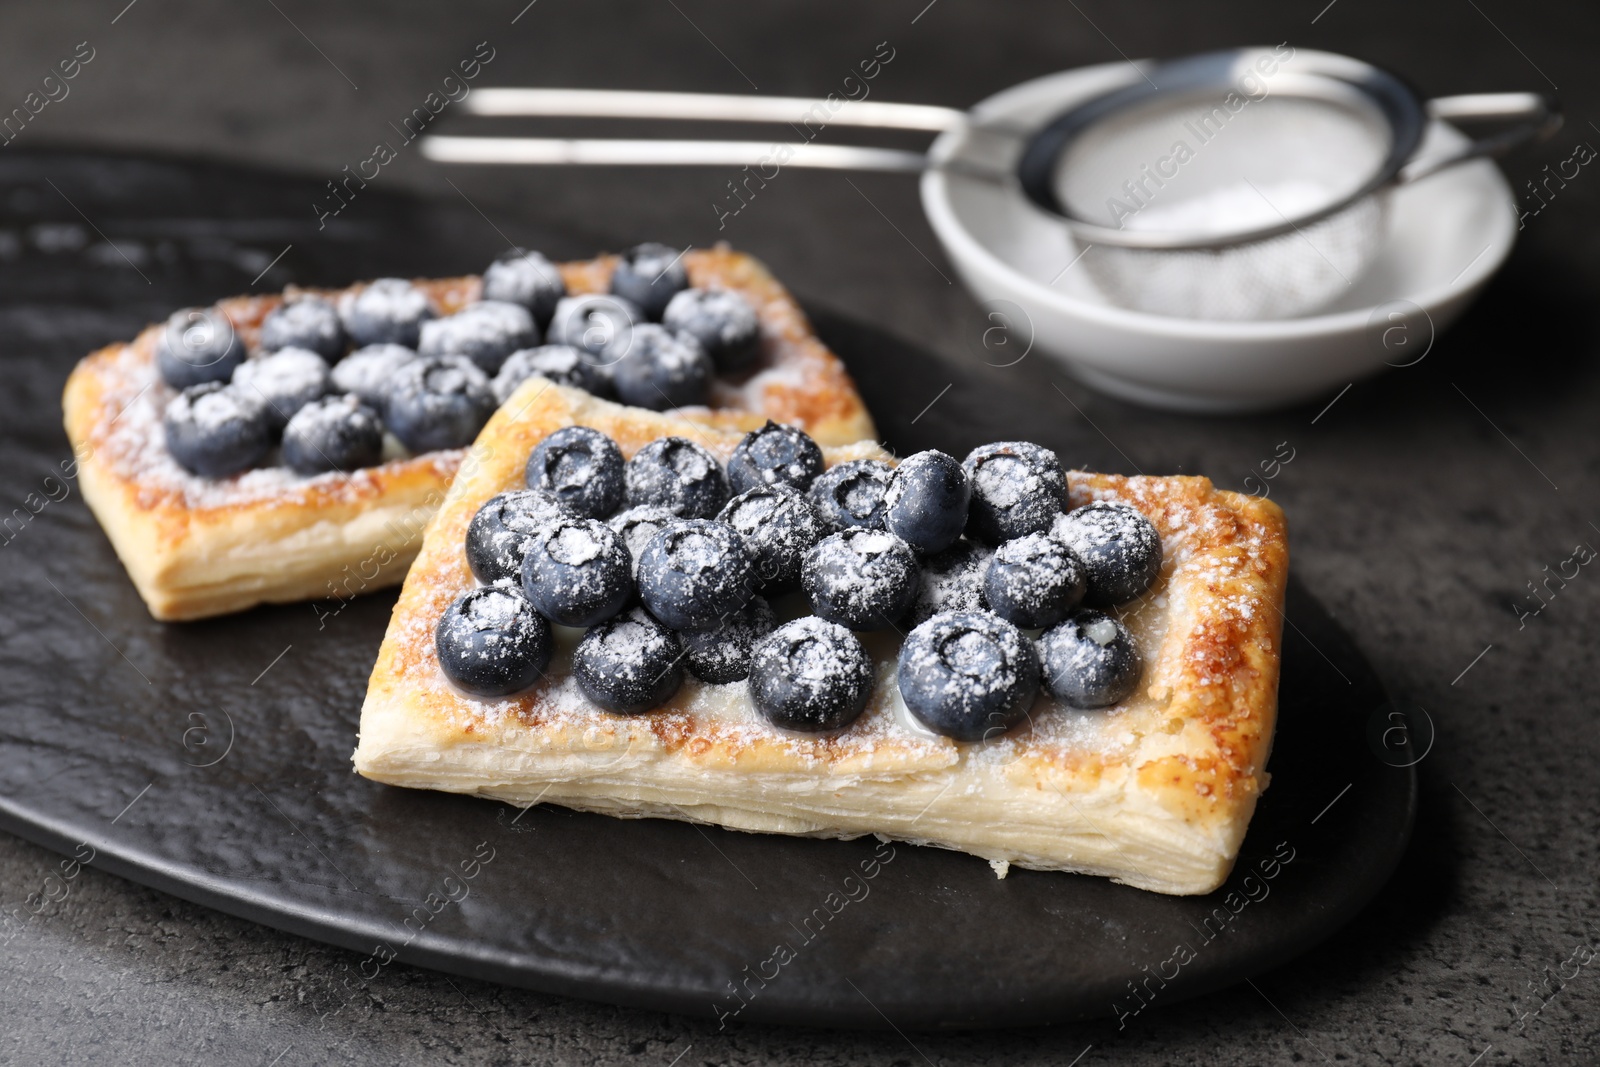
{"x":577,"y":572}
{"x":650,"y":275}
{"x":1090,"y":660}
{"x":198,"y":345}
{"x":370,"y":372}
{"x":1017,"y":488}
{"x":492,"y":643}
{"x":863,"y":579}
{"x":851,"y":494}
{"x":677,"y":474}
{"x":779,"y":527}
{"x":694,"y":573}
{"x":438,"y":402}
{"x":526,"y":278}
{"x":304,"y":322}
{"x":811,"y":675}
{"x":498,"y":535}
{"x":722,"y":321}
{"x":336,"y":433}
{"x":486,"y":333}
{"x":591,"y":322}
{"x":582,"y":467}
{"x":1119,"y":548}
{"x":1034,"y":581}
{"x":637,"y":525}
{"x":774,"y":455}
{"x":654,"y":368}
{"x":561,"y":364}
{"x":214,"y":431}
{"x":968,"y":675}
{"x":387,"y":311}
{"x":926,"y":502}
{"x":952,"y":580}
{"x":284,"y":382}
{"x":629,"y":664}
{"x":722,"y":655}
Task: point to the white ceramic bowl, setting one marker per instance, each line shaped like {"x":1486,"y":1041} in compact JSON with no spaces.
{"x":1446,"y":235}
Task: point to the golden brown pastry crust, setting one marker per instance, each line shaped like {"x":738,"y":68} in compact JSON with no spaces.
{"x":196,"y":547}
{"x":1156,"y":792}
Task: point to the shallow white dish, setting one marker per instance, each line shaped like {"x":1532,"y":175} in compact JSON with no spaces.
{"x":1446,"y":236}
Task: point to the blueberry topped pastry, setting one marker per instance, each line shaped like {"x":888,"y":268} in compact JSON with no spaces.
{"x":198,"y":345}
{"x":863,"y":579}
{"x":1017,"y":488}
{"x":198,"y":541}
{"x":926,"y":502}
{"x":438,"y":402}
{"x":492,"y":642}
{"x":305,"y":322}
{"x":486,"y":333}
{"x":851,"y":494}
{"x":387,"y":311}
{"x":650,"y":275}
{"x":779,"y":526}
{"x":500,"y":533}
{"x":695,"y":573}
{"x":776,"y":454}
{"x":968,"y":675}
{"x":284,"y":382}
{"x":1119,"y":548}
{"x":810,"y":675}
{"x":582,"y":468}
{"x":526,"y":278}
{"x":722,"y":321}
{"x":991,"y":712}
{"x":214,"y":430}
{"x":652,"y":367}
{"x":677,"y":473}
{"x":334,"y":433}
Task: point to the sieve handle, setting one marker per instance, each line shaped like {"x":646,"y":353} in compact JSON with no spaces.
{"x":1533,"y":117}
{"x":710,"y":107}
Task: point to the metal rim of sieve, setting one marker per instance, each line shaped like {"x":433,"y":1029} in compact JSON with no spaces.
{"x":1328,"y":79}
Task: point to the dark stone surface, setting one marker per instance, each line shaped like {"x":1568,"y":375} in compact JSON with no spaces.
{"x":1421,"y":505}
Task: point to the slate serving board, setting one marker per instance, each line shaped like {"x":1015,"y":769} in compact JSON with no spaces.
{"x":211,"y":760}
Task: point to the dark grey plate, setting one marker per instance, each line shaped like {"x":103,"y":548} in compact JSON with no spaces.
{"x":211,"y":760}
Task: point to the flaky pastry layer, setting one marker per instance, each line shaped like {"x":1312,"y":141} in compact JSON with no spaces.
{"x":196,"y":547}
{"x":1156,"y":792}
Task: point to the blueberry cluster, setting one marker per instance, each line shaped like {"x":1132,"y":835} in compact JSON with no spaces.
{"x":652,"y":342}
{"x":330,"y":380}
{"x":671,"y":575}
{"x":647,"y":554}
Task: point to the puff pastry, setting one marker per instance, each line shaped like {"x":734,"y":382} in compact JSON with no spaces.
{"x":196,"y":547}
{"x":1156,"y":792}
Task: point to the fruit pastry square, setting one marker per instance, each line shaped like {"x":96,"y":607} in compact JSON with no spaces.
{"x":294,"y":446}
{"x":630,"y":613}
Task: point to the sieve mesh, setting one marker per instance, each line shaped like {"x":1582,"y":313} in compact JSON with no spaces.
{"x":1278,"y":277}
{"x":1204,"y":168}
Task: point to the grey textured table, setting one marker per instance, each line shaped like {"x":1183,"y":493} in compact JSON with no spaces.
{"x":1421,"y":504}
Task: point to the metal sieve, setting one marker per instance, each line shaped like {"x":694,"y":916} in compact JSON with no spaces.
{"x":1246,"y":184}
